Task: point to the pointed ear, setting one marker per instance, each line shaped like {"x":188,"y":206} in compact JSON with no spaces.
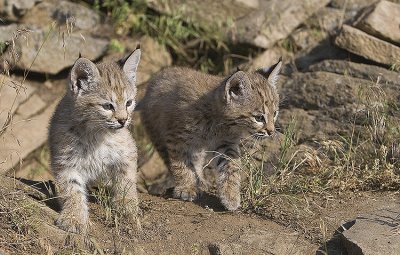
{"x":272,"y":73}
{"x":236,"y":86}
{"x":83,"y":73}
{"x":130,"y":64}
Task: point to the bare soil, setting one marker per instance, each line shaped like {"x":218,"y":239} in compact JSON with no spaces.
{"x":171,"y":226}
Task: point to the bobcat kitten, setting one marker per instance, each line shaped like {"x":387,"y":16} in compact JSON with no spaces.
{"x":89,"y":138}
{"x":195,"y":118}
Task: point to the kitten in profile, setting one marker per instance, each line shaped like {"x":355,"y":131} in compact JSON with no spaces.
{"x":195,"y":118}
{"x":89,"y":137}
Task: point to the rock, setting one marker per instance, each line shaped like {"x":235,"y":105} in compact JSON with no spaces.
{"x":12,"y":10}
{"x":57,"y":52}
{"x":327,"y":19}
{"x":357,"y":70}
{"x":355,"y":5}
{"x":12,"y":94}
{"x":367,"y":46}
{"x":382,"y":20}
{"x":23,"y":137}
{"x":269,"y":58}
{"x":31,"y":106}
{"x":323,"y":50}
{"x":7,"y":32}
{"x":77,"y":15}
{"x":206,"y":13}
{"x":272,"y":21}
{"x":374,"y":233}
{"x":329,"y":98}
{"x":155,"y":57}
{"x":260,"y":23}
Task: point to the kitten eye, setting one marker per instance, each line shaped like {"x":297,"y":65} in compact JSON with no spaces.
{"x":128,"y":103}
{"x":108,"y":106}
{"x":259,"y":118}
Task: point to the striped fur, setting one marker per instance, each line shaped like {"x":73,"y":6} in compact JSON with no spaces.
{"x":192,"y":117}
{"x":89,"y":139}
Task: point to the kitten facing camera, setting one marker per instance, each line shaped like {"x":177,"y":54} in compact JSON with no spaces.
{"x":89,"y":138}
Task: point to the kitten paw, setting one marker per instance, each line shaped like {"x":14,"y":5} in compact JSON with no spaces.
{"x":230,"y":200}
{"x":187,"y":194}
{"x":71,"y":224}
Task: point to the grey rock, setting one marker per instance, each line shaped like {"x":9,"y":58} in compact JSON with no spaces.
{"x":33,"y":105}
{"x":8,"y":32}
{"x":382,"y":20}
{"x":23,"y":137}
{"x":78,"y":16}
{"x":273,"y":20}
{"x":12,"y":10}
{"x":12,"y":94}
{"x":367,"y":46}
{"x":48,"y":51}
{"x":260,"y":23}
{"x":51,"y":53}
{"x":269,"y":58}
{"x":374,"y":233}
{"x":357,"y":70}
{"x":206,"y":13}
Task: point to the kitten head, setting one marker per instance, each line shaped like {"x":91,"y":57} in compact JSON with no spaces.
{"x":251,"y":101}
{"x":104,"y":94}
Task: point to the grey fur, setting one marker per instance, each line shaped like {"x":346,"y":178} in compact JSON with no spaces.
{"x":88,"y":141}
{"x":192,"y":117}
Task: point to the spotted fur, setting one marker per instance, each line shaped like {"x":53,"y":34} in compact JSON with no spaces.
{"x":89,"y":138}
{"x":192,"y":117}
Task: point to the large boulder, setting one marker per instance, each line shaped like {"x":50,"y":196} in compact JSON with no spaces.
{"x":368,"y":72}
{"x":47,"y":51}
{"x":376,"y":233}
{"x":273,"y":20}
{"x":12,"y":10}
{"x":367,"y":46}
{"x":77,"y":16}
{"x":383,"y":21}
{"x":260,"y":23}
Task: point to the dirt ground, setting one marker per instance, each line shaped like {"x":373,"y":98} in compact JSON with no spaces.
{"x":171,"y":226}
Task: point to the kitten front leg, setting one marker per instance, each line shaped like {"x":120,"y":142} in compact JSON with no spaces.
{"x":228,"y":183}
{"x":74,"y":214}
{"x":125,"y":192}
{"x":185,"y":181}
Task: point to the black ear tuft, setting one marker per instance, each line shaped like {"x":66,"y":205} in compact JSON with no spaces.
{"x":80,"y":55}
{"x":137,"y":46}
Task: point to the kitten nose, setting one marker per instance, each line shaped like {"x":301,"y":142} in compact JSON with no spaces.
{"x":122,"y":121}
{"x":270,"y":132}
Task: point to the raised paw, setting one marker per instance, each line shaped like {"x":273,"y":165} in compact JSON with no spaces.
{"x":71,"y":224}
{"x":186,"y":193}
